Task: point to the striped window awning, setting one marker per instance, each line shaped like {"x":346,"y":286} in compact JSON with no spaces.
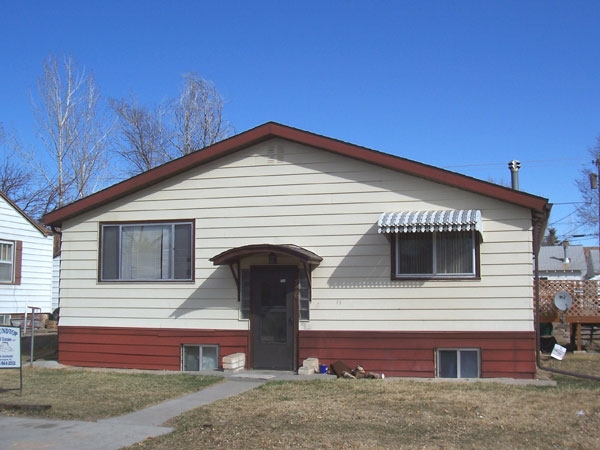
{"x":428,"y":221}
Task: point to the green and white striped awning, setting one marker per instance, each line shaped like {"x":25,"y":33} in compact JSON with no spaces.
{"x":428,"y":221}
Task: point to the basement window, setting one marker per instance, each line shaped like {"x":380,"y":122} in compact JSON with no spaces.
{"x":199,"y":357}
{"x":458,"y":363}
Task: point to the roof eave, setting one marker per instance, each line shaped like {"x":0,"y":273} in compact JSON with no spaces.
{"x":26,"y":216}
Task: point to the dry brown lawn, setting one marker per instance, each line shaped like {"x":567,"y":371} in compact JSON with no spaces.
{"x":399,"y":414}
{"x":337,"y":414}
{"x":90,"y":394}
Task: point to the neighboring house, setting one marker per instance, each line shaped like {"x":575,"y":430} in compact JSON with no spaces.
{"x":560,"y":262}
{"x":568,"y":262}
{"x":572,"y":269}
{"x":284,"y":245}
{"x":592,"y":256}
{"x":56,"y":278}
{"x":25,"y":262}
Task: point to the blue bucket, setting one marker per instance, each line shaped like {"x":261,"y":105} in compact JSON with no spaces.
{"x":322,"y":368}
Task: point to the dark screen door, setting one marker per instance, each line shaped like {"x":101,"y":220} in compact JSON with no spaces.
{"x":272,"y":294}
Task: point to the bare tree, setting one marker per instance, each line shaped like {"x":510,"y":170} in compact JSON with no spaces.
{"x":587,"y":211}
{"x":150,"y":137}
{"x":14,"y":178}
{"x":71,"y":130}
{"x":143,"y":139}
{"x":17,"y":180}
{"x":88,"y":158}
{"x":198,"y":116}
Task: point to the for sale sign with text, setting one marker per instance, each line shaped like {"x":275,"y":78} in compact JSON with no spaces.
{"x":10,"y":347}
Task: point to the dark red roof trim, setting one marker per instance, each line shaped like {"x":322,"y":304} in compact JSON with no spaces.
{"x":274,"y":130}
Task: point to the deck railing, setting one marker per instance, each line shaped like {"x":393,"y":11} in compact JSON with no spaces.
{"x":586,"y":301}
{"x":585,"y":309}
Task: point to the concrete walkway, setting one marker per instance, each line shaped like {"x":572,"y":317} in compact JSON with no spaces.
{"x":20,"y":433}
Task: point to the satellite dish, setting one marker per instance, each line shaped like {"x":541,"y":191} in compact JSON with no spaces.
{"x":563,"y":300}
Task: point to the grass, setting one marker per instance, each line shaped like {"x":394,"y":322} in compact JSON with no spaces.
{"x":339,"y":414}
{"x":91,"y":395}
{"x":399,"y":414}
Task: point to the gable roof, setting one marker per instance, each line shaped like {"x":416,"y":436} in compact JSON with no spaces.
{"x":35,"y":224}
{"x":539,"y":206}
{"x":552,"y":259}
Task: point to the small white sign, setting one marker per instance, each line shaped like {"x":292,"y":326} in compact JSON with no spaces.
{"x":558,"y":352}
{"x":10,"y":347}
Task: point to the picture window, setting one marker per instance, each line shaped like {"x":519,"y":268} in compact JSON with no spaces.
{"x":447,"y":254}
{"x":146,"y":252}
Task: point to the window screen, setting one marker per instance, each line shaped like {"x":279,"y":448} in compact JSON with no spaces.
{"x":435,"y":254}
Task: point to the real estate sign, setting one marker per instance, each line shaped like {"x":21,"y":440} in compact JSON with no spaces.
{"x":10,"y":347}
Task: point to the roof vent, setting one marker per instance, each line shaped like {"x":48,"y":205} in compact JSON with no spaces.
{"x":565,"y":245}
{"x":514,"y":167}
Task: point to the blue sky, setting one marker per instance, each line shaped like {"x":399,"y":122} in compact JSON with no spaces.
{"x":466,"y":85}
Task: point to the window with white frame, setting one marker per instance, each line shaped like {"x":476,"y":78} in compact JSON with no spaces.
{"x":199,"y":357}
{"x":458,"y":363}
{"x":444,"y":254}
{"x":146,"y":251}
{"x":7,"y":261}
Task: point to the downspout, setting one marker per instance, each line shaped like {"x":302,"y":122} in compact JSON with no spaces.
{"x":536,"y":294}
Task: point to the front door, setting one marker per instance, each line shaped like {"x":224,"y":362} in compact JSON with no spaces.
{"x":273,"y":321}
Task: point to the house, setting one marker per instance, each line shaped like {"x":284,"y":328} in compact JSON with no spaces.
{"x":26,"y":251}
{"x":592,"y":257}
{"x":283,"y":245}
{"x":563,"y":262}
{"x":570,"y":269}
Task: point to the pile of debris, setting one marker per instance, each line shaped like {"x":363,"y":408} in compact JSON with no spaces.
{"x":343,"y":371}
{"x":340,"y":369}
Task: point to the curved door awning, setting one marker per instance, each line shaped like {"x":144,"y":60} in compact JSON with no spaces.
{"x":232,"y":257}
{"x":235,"y":254}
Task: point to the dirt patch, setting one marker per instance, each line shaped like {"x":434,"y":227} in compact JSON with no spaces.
{"x":562,"y":334}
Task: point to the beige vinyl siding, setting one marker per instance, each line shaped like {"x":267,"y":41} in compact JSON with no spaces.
{"x":283,"y":193}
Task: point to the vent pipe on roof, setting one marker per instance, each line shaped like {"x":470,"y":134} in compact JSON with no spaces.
{"x":514,"y":167}
{"x":565,"y":245}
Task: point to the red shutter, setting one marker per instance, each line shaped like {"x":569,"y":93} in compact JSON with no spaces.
{"x":18,"y":261}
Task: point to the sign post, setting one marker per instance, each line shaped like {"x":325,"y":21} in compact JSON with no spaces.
{"x":32,"y":320}
{"x":10,"y":351}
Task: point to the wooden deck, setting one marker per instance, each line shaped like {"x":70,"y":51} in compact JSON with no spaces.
{"x":585,"y":310}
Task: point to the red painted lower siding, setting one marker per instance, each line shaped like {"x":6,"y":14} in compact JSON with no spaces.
{"x":412,"y":354}
{"x":140,"y":348}
{"x":400,"y":354}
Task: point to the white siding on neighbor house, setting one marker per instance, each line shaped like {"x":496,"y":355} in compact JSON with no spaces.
{"x":55,"y":282}
{"x":36,"y":268}
{"x":279,"y":192}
